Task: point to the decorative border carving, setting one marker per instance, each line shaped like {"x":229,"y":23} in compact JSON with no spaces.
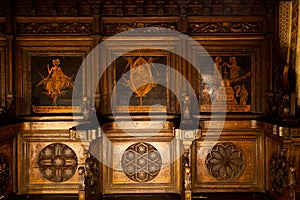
{"x":54,"y":28}
{"x":114,"y":28}
{"x":226,"y":27}
{"x":143,"y":8}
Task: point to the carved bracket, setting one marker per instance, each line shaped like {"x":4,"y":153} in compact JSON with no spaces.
{"x":283,"y":174}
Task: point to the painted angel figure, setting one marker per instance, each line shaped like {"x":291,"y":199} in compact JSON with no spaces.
{"x":56,"y":81}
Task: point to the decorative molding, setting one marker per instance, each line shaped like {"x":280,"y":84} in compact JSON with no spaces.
{"x":57,"y":162}
{"x":226,"y":27}
{"x":285,"y":28}
{"x":141,"y":162}
{"x":54,"y":28}
{"x":225,"y":161}
{"x":143,"y":8}
{"x":114,"y":28}
{"x":4,"y":173}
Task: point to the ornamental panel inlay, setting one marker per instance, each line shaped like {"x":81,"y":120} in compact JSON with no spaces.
{"x":4,"y":173}
{"x":225,"y":161}
{"x":57,"y":162}
{"x":141,"y":162}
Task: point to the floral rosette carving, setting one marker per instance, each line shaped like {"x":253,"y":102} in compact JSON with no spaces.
{"x":225,"y":161}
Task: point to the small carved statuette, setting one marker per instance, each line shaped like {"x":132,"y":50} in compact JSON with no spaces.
{"x":186,"y":107}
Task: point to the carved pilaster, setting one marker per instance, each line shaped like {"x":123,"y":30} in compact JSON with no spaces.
{"x":187,"y":137}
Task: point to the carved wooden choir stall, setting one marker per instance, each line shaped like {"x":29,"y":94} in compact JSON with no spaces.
{"x":153,"y":99}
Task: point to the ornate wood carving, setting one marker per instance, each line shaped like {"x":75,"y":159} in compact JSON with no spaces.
{"x":278,"y":168}
{"x":4,"y":173}
{"x":141,"y":162}
{"x":226,"y":27}
{"x":91,"y":180}
{"x":144,"y":8}
{"x":225,"y":161}
{"x":114,"y":28}
{"x":54,"y":28}
{"x":57,"y":162}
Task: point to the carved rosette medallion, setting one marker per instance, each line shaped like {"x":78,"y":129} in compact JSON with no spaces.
{"x":225,"y":161}
{"x":4,"y":173}
{"x":141,"y":162}
{"x":57,"y":162}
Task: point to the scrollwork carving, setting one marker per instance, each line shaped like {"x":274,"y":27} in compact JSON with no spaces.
{"x":54,"y":28}
{"x":225,"y":161}
{"x":114,"y":28}
{"x":226,"y":27}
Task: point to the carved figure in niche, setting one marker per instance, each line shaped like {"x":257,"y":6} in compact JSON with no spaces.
{"x":234,"y":68}
{"x":56,"y":81}
{"x":186,"y":107}
{"x":140,"y":80}
{"x":206,"y":99}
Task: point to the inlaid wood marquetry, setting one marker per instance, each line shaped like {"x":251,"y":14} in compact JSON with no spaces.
{"x":141,"y":162}
{"x":57,"y":162}
{"x":225,"y":161}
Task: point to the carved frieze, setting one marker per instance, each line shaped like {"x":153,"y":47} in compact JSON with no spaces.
{"x":225,"y":161}
{"x":143,"y":8}
{"x":4,"y":173}
{"x":114,"y":28}
{"x":57,"y":162}
{"x":54,"y":28}
{"x":226,"y":27}
{"x":141,"y":162}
